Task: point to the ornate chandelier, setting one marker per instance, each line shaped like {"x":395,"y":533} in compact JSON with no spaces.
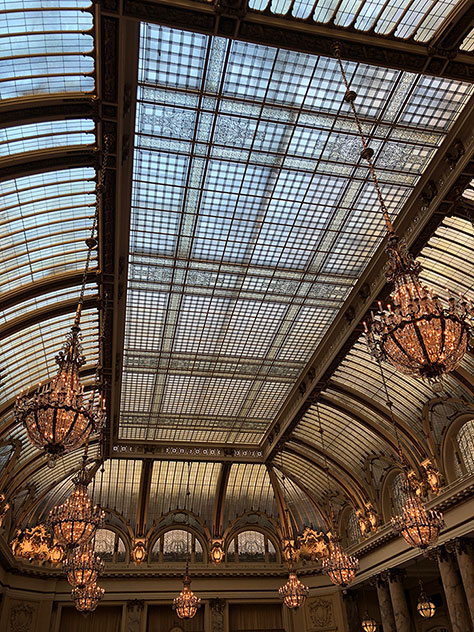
{"x":369,"y":624}
{"x":418,"y":336}
{"x":83,"y":567}
{"x":425,"y":607}
{"x":186,"y":603}
{"x":87,"y":599}
{"x":293,"y":593}
{"x":32,"y":544}
{"x":340,"y":567}
{"x":418,"y":526}
{"x":57,"y":417}
{"x":75,"y":521}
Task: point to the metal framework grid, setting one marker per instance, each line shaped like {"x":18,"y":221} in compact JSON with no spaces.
{"x":252,"y":219}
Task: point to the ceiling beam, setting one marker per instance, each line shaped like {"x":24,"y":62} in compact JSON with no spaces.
{"x":39,"y":108}
{"x":30,"y":162}
{"x":235,"y":20}
{"x":219,"y":501}
{"x":143,"y":498}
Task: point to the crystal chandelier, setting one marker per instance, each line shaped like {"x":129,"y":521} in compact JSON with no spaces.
{"x":75,"y":521}
{"x":58,"y":417}
{"x":83,"y":567}
{"x":418,"y":526}
{"x":293,"y":593}
{"x":340,"y":567}
{"x":86,"y":599}
{"x":186,"y":603}
{"x":418,"y":336}
{"x":32,"y":544}
{"x":369,"y":624}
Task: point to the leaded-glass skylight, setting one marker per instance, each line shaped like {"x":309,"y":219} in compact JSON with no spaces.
{"x":252,"y":219}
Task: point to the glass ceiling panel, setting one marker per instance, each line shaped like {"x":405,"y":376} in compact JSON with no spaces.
{"x":468,"y":43}
{"x":402,"y":18}
{"x":46,"y":135}
{"x":45,"y":47}
{"x":249,"y":489}
{"x":45,"y":221}
{"x":302,"y":509}
{"x":169,"y":484}
{"x":252,"y":219}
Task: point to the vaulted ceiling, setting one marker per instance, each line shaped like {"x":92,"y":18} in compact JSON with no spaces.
{"x":240,"y":238}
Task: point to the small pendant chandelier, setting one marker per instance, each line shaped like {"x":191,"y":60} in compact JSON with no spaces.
{"x":87,"y":599}
{"x":83,"y":567}
{"x":293,"y":593}
{"x":369,"y":624}
{"x":418,"y":336}
{"x":75,"y":521}
{"x":418,"y":526}
{"x":57,"y":417}
{"x":186,"y":603}
{"x":425,"y":607}
{"x":340,"y":567}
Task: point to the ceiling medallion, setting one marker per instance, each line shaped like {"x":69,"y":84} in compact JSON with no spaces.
{"x":186,"y":603}
{"x":75,"y":521}
{"x":293,"y":593}
{"x":418,"y":526}
{"x":57,"y":417}
{"x":32,"y":544}
{"x":417,"y":335}
{"x":87,"y":599}
{"x":83,"y":567}
{"x":340,"y":567}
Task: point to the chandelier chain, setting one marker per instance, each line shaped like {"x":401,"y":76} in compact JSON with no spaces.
{"x":350,"y":98}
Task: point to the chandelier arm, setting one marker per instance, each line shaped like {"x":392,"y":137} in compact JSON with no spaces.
{"x":350,"y":98}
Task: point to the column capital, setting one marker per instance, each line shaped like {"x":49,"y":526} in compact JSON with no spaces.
{"x":463,"y":545}
{"x":136,"y":604}
{"x":217,"y":604}
{"x":396,"y":574}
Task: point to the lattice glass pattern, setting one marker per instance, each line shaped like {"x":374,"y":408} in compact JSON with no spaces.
{"x":465,"y":439}
{"x":418,"y":19}
{"x":45,"y":47}
{"x":248,"y":489}
{"x":302,"y":508}
{"x":468,"y":42}
{"x":46,"y":135}
{"x":252,"y":218}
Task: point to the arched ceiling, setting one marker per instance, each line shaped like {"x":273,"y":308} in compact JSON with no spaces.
{"x":252,"y":223}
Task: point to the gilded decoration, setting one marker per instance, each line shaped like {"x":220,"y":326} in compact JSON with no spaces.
{"x":312,"y":545}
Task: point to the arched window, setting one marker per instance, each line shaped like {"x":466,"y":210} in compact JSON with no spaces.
{"x":354,"y":534}
{"x":465,"y":440}
{"x":172,"y":545}
{"x":251,"y":546}
{"x":110,"y":546}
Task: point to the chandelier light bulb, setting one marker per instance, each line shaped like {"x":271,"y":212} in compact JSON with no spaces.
{"x":293,"y":593}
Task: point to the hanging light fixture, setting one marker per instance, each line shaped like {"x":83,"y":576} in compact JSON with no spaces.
{"x":32,"y":544}
{"x":83,"y":567}
{"x":58,"y":417}
{"x":369,"y":624}
{"x":418,"y":335}
{"x":186,"y":603}
{"x":87,"y":599}
{"x":75,"y":521}
{"x":418,"y":526}
{"x":424,"y":607}
{"x":293,"y":593}
{"x":217,"y":550}
{"x":340,"y":567}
